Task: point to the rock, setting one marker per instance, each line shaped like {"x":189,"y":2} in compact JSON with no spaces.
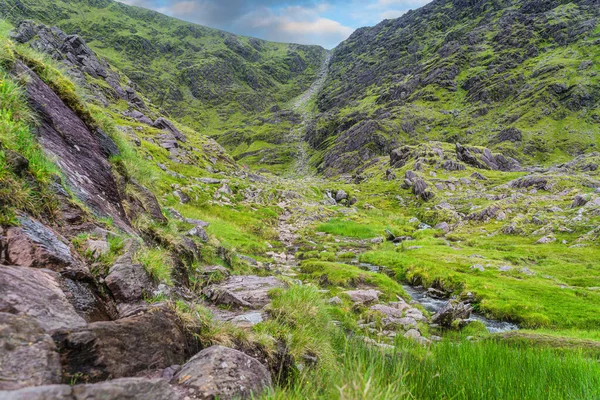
{"x":199,"y":232}
{"x":243,"y":291}
{"x":223,"y":373}
{"x":546,"y":240}
{"x":129,"y":282}
{"x":478,"y":176}
{"x":509,"y":135}
{"x":340,"y":195}
{"x":28,"y":356}
{"x":148,"y":202}
{"x":38,"y":294}
{"x":121,"y":389}
{"x":97,"y":248}
{"x":154,"y":339}
{"x":363,"y":296}
{"x":389,"y":311}
{"x":477,"y":267}
{"x":389,"y":235}
{"x":77,"y":150}
{"x":443,"y":226}
{"x":335,"y":301}
{"x":436,"y":293}
{"x":33,"y":244}
{"x":412,"y":334}
{"x":183,"y":198}
{"x":166,"y":125}
{"x":377,"y":240}
{"x":248,"y":259}
{"x":419,"y":189}
{"x":210,"y":181}
{"x":505,"y":268}
{"x":579,"y":201}
{"x":453,"y":310}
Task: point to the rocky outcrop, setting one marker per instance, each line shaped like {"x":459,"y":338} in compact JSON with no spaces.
{"x":151,"y":340}
{"x":223,"y":373}
{"x":485,"y":159}
{"x":28,"y":356}
{"x":451,"y":312}
{"x":38,"y":294}
{"x":76,"y":149}
{"x":122,"y":389}
{"x":243,"y":291}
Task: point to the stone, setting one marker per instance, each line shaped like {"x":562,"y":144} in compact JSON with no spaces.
{"x":183,"y":198}
{"x":127,"y":281}
{"x":37,"y":293}
{"x":97,"y":248}
{"x":579,"y":201}
{"x":122,"y":389}
{"x":412,"y":334}
{"x":443,"y":226}
{"x":388,"y":311}
{"x":28,"y":355}
{"x":32,"y":244}
{"x":546,"y":240}
{"x":335,"y":301}
{"x":153,"y":339}
{"x":148,"y":202}
{"x":453,"y":310}
{"x":477,"y":267}
{"x":199,"y":232}
{"x":166,"y":125}
{"x":340,"y":195}
{"x":223,"y":373}
{"x":363,"y":296}
{"x":210,"y":181}
{"x":243,"y":291}
{"x":377,"y":240}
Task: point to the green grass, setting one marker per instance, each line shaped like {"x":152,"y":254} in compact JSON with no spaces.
{"x":483,"y":370}
{"x":157,"y":263}
{"x":348,"y":229}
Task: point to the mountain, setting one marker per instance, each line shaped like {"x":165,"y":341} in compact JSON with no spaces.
{"x":203,"y":77}
{"x":320,"y":251}
{"x":519,"y":76}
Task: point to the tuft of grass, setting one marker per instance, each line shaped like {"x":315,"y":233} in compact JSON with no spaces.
{"x":157,"y":262}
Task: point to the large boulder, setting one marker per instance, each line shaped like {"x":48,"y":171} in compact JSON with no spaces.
{"x":452,"y":311}
{"x":121,"y":389}
{"x":243,"y":291}
{"x":223,"y":373}
{"x":28,"y":356}
{"x":32,"y":244}
{"x":38,"y":294}
{"x":154,"y":339}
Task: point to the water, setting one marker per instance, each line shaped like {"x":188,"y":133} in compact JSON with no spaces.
{"x":419,"y":294}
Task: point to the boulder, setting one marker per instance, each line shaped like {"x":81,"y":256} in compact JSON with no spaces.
{"x":28,"y":356}
{"x":33,"y":244}
{"x":363,"y":296}
{"x":223,"y":373}
{"x":38,"y":294}
{"x":453,"y":310}
{"x":340,"y":195}
{"x":199,"y":232}
{"x":127,"y":281}
{"x":151,"y":340}
{"x":243,"y":291}
{"x":121,"y":389}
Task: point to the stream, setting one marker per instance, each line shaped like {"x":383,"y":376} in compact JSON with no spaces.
{"x":419,"y":295}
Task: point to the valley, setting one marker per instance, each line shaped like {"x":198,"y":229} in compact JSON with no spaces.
{"x":187,"y":213}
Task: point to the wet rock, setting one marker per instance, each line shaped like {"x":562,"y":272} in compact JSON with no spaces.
{"x":223,"y":373}
{"x":363,"y":296}
{"x":453,"y":310}
{"x":243,"y":291}
{"x":122,"y":389}
{"x":28,"y":356}
{"x":37,"y":293}
{"x":436,"y":293}
{"x":33,"y":244}
{"x":153,"y":339}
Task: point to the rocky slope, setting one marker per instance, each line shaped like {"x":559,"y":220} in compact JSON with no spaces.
{"x":520,"y":76}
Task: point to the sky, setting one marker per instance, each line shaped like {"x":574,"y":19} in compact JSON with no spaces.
{"x":322,"y":22}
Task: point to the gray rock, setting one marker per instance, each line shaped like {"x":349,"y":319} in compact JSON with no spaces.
{"x":210,"y":181}
{"x":579,"y":201}
{"x":121,"y":389}
{"x":443,"y":226}
{"x":335,"y":301}
{"x":452,"y":311}
{"x":38,"y":294}
{"x":412,"y":334}
{"x":199,"y":232}
{"x":243,"y":291}
{"x":127,"y":281}
{"x":363,"y":296}
{"x":166,"y":125}
{"x":28,"y":356}
{"x":223,"y":373}
{"x":477,"y":267}
{"x":340,"y":195}
{"x":152,"y":339}
{"x":183,"y":198}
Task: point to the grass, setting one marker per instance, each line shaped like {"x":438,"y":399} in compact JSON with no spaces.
{"x":482,"y":370}
{"x":157,"y":263}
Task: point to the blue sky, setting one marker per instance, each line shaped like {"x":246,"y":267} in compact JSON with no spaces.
{"x":325,"y":22}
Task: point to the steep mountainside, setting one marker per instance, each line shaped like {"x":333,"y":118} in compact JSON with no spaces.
{"x":521,"y":76}
{"x":202,"y":77}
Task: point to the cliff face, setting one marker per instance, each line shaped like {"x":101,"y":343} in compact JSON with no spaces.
{"x":467,"y":71}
